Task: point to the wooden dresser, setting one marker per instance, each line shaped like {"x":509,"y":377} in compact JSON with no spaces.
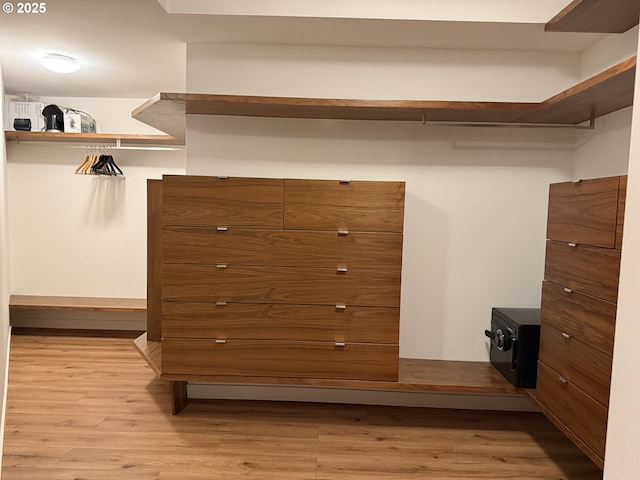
{"x":579,"y":297}
{"x":280,"y":277}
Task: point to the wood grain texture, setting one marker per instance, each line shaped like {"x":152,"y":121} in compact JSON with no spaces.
{"x":149,"y":350}
{"x":278,"y":358}
{"x":591,"y":270}
{"x":293,"y":248}
{"x":584,"y":366}
{"x":585,"y":317}
{"x":584,"y":212}
{"x":353,"y":206}
{"x":212,"y":201}
{"x":43,"y":302}
{"x":324,"y":286}
{"x":120,"y":429}
{"x":286,"y":322}
{"x":575,"y":409}
{"x":597,"y":16}
{"x":622,"y":199}
{"x":154,"y":260}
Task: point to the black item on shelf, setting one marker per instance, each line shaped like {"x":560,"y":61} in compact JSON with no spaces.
{"x":22,"y":124}
{"x":515,"y":341}
{"x":54,"y":118}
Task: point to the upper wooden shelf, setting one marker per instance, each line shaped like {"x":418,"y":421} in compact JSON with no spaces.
{"x":111,"y":138}
{"x":604,"y":93}
{"x":596,"y":16}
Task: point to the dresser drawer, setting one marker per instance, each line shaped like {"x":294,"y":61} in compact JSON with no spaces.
{"x":584,"y":366}
{"x":584,"y":212}
{"x":325,"y":286}
{"x":580,"y":413}
{"x":285,"y":322}
{"x":213,"y":201}
{"x":353,"y":206}
{"x":587,"y":318}
{"x":591,"y":270}
{"x":295,"y":248}
{"x":277,"y":358}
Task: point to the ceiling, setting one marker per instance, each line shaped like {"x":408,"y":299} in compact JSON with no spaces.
{"x":134,"y":48}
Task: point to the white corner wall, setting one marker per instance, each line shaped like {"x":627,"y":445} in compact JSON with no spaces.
{"x":82,"y":235}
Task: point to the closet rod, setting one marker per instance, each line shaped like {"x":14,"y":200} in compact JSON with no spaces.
{"x":117,"y":146}
{"x":444,"y":123}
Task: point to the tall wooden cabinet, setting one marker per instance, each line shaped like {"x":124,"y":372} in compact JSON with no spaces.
{"x":281,"y":277}
{"x":579,"y":294}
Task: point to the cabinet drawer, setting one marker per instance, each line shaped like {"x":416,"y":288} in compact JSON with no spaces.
{"x":325,"y":286}
{"x":276,"y":358}
{"x":354,"y":206}
{"x":587,"y":318}
{"x":622,"y":199}
{"x":213,"y":201}
{"x":284,"y":322}
{"x":584,"y":366}
{"x":581,"y":414}
{"x":584,"y":212}
{"x":282,"y":247}
{"x":591,"y":270}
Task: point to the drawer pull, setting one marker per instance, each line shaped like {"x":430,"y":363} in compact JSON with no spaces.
{"x":571,"y":244}
{"x":221,"y":340}
{"x":342,"y":269}
{"x":566,"y":335}
{"x":562,"y":379}
{"x":568,"y":290}
{"x":343,"y":232}
{"x":222,"y":229}
{"x":340,"y":344}
{"x":345,"y":182}
{"x":341,"y":307}
{"x":223,"y":177}
{"x":221,"y":265}
{"x":221,"y":304}
{"x":576,"y":181}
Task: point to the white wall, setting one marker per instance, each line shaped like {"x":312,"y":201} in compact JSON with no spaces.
{"x":621,"y":461}
{"x":476,"y":198}
{"x":4,"y":271}
{"x":81,"y":235}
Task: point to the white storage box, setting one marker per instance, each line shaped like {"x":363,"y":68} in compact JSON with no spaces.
{"x":26,"y":110}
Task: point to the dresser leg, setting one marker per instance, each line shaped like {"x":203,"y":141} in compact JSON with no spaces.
{"x":179,"y":397}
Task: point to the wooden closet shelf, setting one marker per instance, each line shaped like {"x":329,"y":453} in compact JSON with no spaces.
{"x":123,"y":138}
{"x":604,"y":93}
{"x":596,"y":16}
{"x":414,"y":375}
{"x":39,"y":302}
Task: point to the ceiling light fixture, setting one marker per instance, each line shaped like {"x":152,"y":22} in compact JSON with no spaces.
{"x":59,"y":63}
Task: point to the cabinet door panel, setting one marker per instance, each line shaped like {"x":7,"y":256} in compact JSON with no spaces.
{"x":324,"y":286}
{"x":353,"y":206}
{"x":212,"y":201}
{"x":278,"y":358}
{"x":587,"y":318}
{"x":584,"y":366}
{"x":622,"y":199}
{"x":285,"y":322}
{"x":589,"y":270}
{"x":584,"y":212}
{"x":282,"y":248}
{"x":581,"y":414}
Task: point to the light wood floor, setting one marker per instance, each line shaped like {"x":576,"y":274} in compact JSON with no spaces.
{"x":91,"y":409}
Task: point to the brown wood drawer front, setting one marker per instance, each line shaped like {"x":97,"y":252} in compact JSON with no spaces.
{"x":282,"y":247}
{"x":277,"y":358}
{"x":324,"y":286}
{"x":354,"y":206}
{"x":584,"y":212}
{"x":587,"y":318}
{"x":213,"y":201}
{"x":585,"y":417}
{"x":584,"y":366}
{"x":591,"y":270}
{"x":284,"y":322}
{"x":622,"y":200}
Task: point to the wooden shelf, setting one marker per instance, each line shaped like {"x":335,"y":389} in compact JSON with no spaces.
{"x":596,"y":16}
{"x":38,"y":302}
{"x":604,"y":93}
{"x":111,"y":138}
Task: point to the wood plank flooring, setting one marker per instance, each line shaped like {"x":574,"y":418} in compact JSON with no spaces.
{"x":89,"y":408}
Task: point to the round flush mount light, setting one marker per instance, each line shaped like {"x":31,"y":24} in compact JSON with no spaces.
{"x":59,"y":63}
